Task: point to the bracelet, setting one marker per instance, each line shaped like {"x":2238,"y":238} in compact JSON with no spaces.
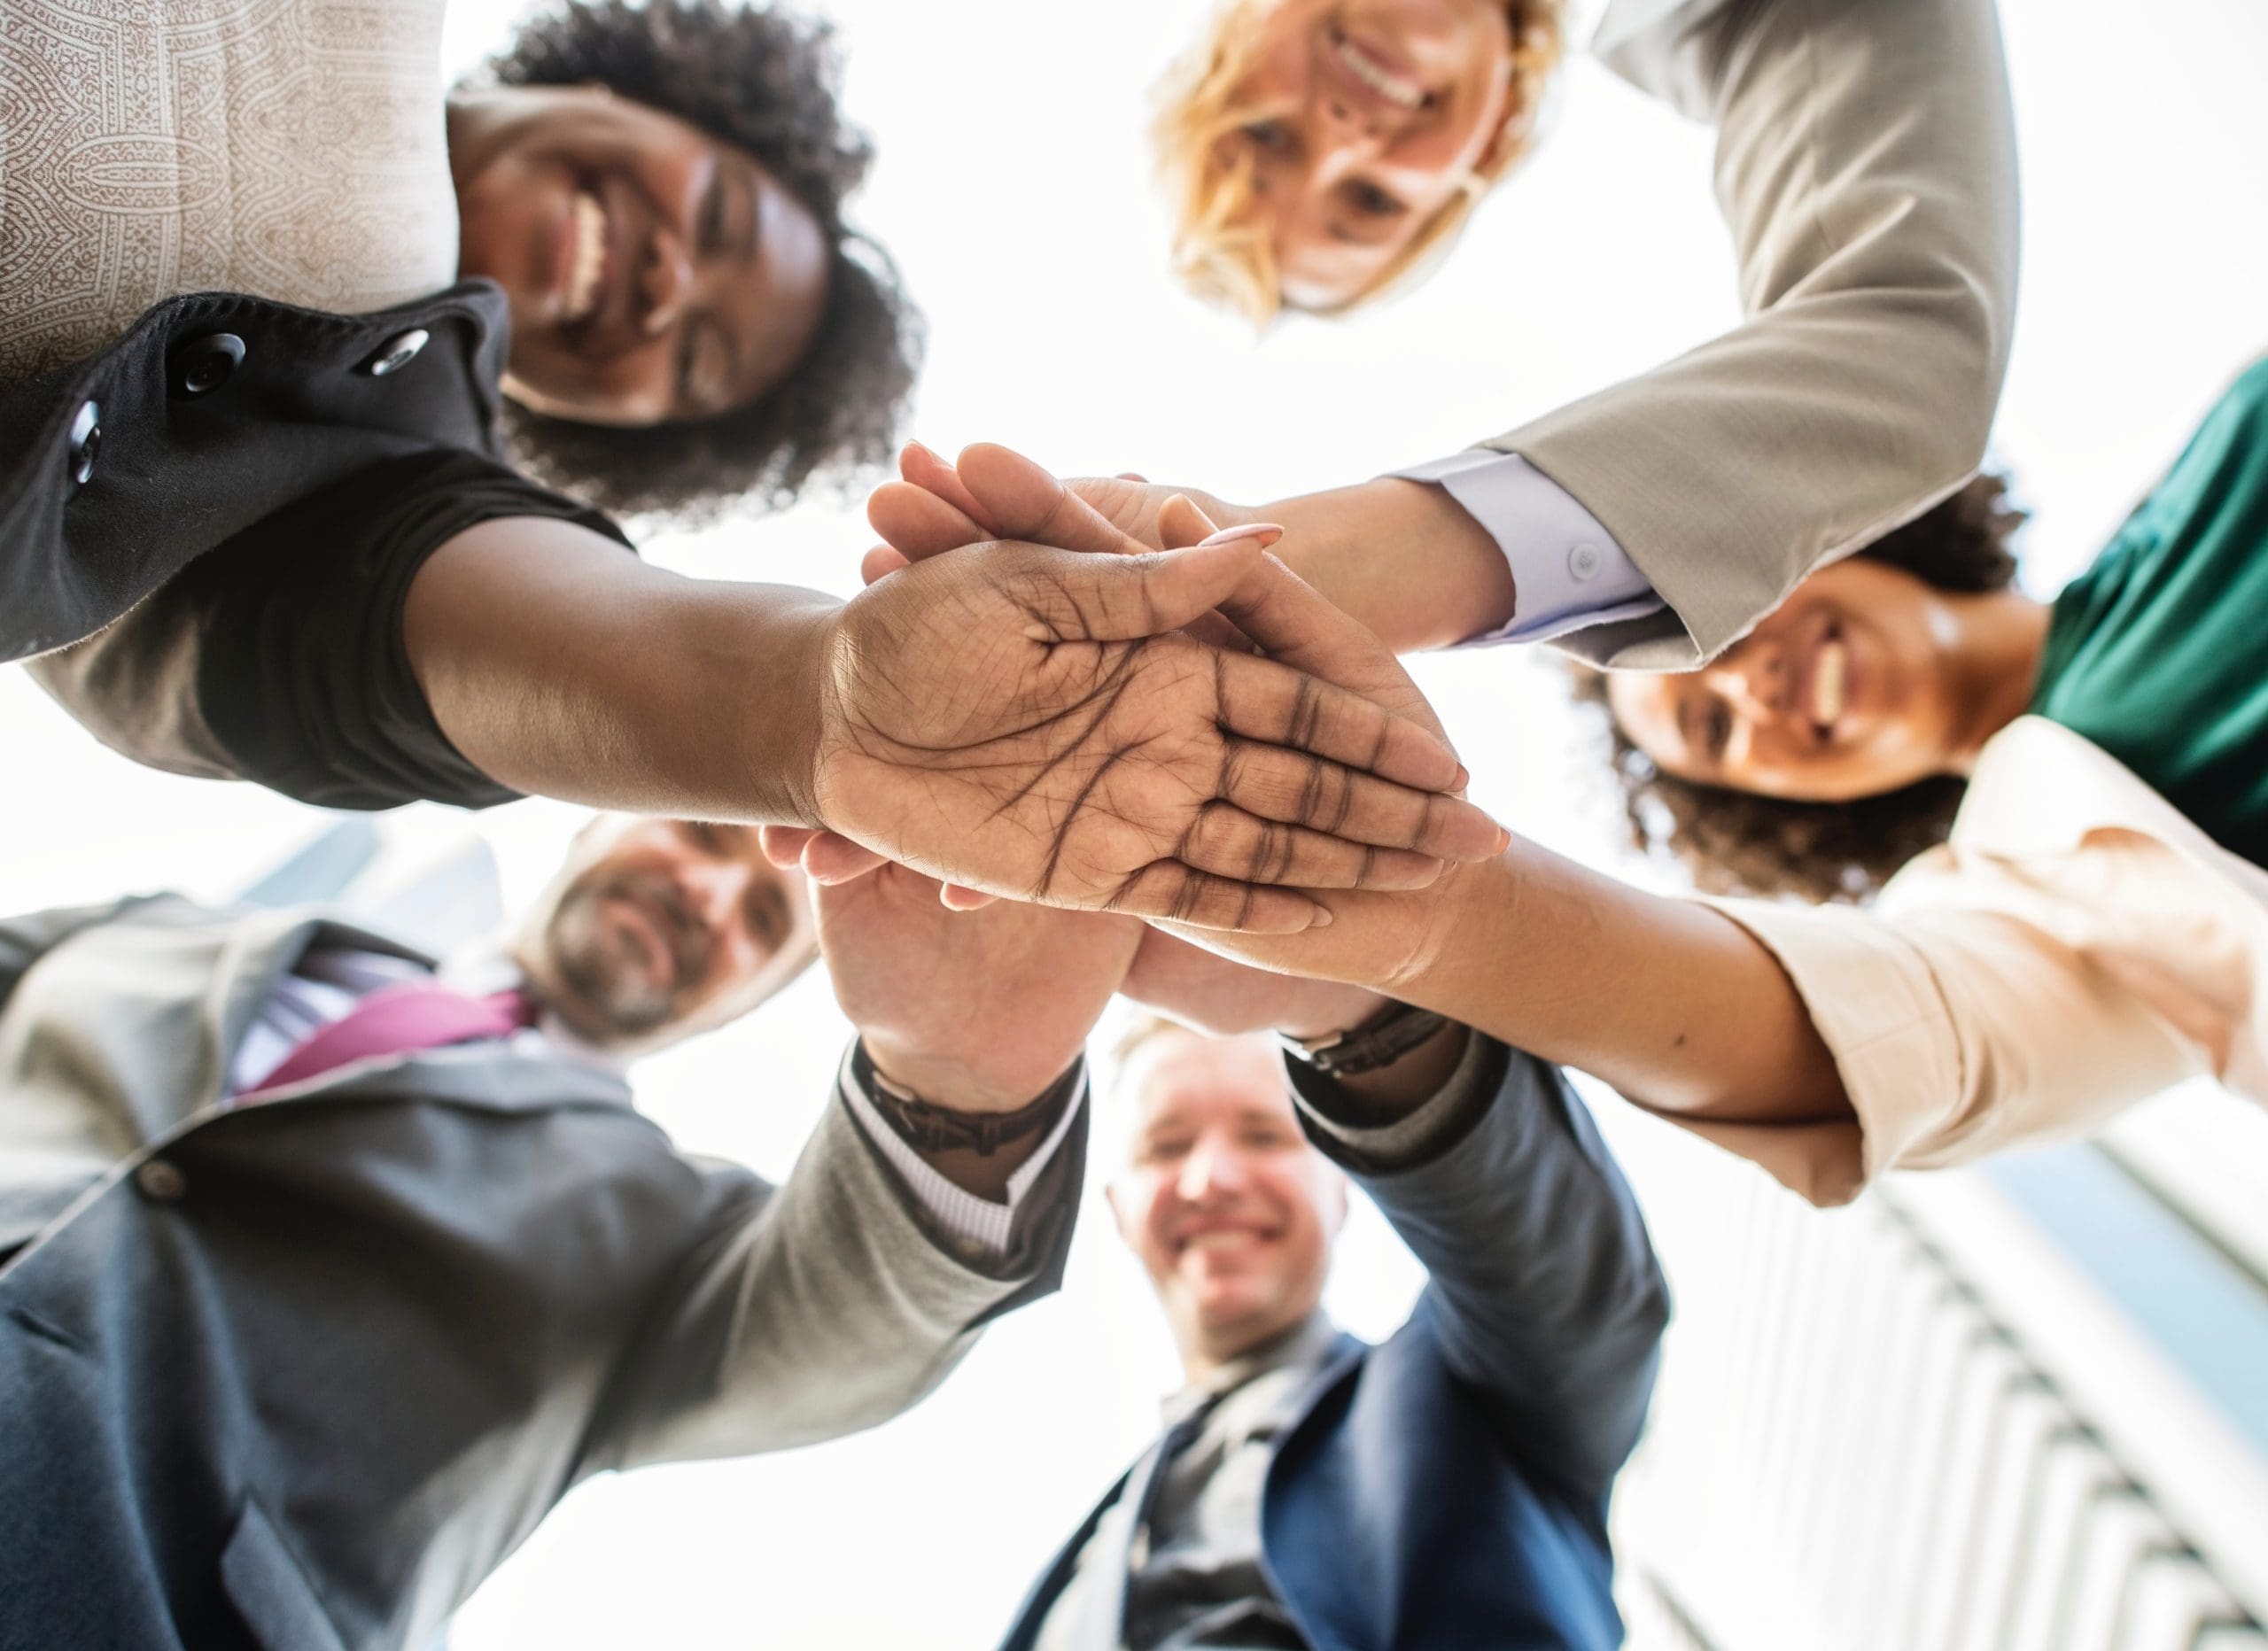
{"x":934,"y":1128}
{"x":1385,"y":1038}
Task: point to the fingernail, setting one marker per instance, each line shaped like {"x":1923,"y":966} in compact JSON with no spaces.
{"x":1322,"y":917}
{"x":1503,"y":839}
{"x":1266,"y":532}
{"x":921,"y":448}
{"x":1463,"y":778}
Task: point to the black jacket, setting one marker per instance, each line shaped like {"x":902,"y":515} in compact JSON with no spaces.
{"x":219,"y":516}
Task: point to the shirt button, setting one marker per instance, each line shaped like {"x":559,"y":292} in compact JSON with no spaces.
{"x":86,"y":441}
{"x":203,"y":365}
{"x":397,"y":353}
{"x":161,"y":1182}
{"x":1583,"y":561}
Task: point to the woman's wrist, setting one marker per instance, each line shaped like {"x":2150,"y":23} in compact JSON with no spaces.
{"x":1403,"y":557}
{"x":785,"y":714}
{"x":559,"y":664}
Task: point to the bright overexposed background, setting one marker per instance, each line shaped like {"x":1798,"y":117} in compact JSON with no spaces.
{"x":1013,"y":187}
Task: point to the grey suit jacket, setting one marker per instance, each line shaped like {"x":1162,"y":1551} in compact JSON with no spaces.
{"x":299,"y":1374}
{"x":1865,"y":165}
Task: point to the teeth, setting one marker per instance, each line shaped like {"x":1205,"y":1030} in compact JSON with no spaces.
{"x":1366,"y":69}
{"x":587,"y":224}
{"x":1829,"y":681}
{"x":1218,"y":1240}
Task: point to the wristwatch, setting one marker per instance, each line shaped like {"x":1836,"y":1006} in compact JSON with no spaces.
{"x":1385,"y":1038}
{"x":934,"y":1128}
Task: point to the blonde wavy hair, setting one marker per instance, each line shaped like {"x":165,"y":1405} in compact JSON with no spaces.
{"x":1220,"y":245}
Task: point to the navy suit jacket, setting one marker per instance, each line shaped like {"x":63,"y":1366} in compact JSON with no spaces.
{"x":1446,"y":1489}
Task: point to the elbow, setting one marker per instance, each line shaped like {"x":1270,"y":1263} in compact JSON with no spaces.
{"x":1969,"y":331}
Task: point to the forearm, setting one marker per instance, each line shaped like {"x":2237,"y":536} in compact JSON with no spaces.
{"x":1544,"y":1291}
{"x":1403,"y":557}
{"x":1672,"y":1002}
{"x":559,"y":665}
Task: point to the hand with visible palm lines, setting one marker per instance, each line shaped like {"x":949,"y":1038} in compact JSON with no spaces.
{"x":1034,"y":715}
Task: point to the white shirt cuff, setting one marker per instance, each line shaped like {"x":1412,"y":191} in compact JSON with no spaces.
{"x":1568,"y":571}
{"x":979,"y":1222}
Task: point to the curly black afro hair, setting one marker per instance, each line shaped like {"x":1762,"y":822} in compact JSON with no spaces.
{"x":766,"y":81}
{"x":1732,"y":843}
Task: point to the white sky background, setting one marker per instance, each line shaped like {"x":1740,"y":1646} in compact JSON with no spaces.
{"x":1013,"y":187}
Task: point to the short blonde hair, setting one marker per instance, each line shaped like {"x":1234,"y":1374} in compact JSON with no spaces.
{"x":1220,"y":245}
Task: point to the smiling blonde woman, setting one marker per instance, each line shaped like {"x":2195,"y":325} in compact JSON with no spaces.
{"x":1255,"y":230}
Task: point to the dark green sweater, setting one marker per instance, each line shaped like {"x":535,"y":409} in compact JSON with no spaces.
{"x":2159,"y":652}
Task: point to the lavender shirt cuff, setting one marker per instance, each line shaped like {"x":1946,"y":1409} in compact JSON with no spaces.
{"x":1569,"y":571}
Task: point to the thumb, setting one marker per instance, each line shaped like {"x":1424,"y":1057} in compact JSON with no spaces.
{"x":1180,"y":523}
{"x":1123,"y":599}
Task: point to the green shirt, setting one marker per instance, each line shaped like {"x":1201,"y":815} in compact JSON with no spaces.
{"x":2159,"y":652}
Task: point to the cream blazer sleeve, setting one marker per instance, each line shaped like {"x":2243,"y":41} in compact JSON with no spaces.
{"x":1865,"y":165}
{"x":2020,"y":985}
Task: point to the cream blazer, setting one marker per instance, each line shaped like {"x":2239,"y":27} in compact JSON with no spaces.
{"x":1866,"y":166}
{"x":2076,"y":947}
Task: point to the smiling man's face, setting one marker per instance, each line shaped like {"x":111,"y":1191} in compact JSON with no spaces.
{"x":654,"y":929}
{"x":1229,"y":1210}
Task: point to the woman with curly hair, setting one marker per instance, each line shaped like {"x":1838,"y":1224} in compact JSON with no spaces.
{"x":1945,"y":577}
{"x":1320,"y":154}
{"x":660,"y":191}
{"x":276,"y":307}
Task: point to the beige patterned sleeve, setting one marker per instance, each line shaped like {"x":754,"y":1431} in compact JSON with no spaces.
{"x":287,"y":149}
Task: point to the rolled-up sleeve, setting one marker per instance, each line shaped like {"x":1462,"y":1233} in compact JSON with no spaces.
{"x":1960,"y":1024}
{"x":277,"y":657}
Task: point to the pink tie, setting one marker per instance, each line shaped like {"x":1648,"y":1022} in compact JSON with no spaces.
{"x":398,"y":1021}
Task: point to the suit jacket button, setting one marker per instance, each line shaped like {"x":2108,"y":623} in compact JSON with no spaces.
{"x":86,"y":441}
{"x":161,"y":1182}
{"x":203,"y":365}
{"x":397,"y":353}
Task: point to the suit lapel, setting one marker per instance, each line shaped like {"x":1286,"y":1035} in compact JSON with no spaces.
{"x":1057,"y":1577}
{"x":1347,"y":1351}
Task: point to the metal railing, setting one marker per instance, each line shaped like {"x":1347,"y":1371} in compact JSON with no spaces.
{"x":1856,"y":1448}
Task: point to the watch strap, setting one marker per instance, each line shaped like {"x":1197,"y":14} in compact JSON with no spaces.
{"x":934,"y":1128}
{"x":1385,"y":1038}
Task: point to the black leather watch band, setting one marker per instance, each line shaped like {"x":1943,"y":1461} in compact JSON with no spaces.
{"x":1385,"y":1038}
{"x":934,"y":1128}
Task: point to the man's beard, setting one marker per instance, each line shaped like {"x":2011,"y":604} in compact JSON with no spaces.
{"x":606,"y":970}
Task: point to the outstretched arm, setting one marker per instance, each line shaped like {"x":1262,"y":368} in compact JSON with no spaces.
{"x":1543,"y":1292}
{"x":844,"y":1297}
{"x":1024,"y":720}
{"x":1670,"y":1001}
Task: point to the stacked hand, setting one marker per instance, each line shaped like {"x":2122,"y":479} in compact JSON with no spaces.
{"x":1035,"y":724}
{"x":979,"y":1011}
{"x":940,"y":508}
